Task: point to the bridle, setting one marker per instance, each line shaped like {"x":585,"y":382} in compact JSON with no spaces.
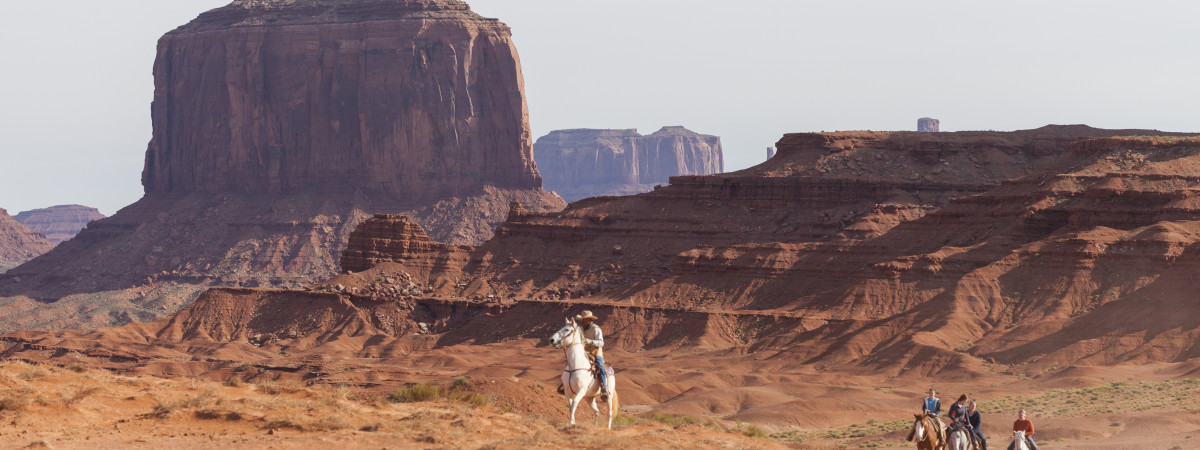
{"x":574,"y":328}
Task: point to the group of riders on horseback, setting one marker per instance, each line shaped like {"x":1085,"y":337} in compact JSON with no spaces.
{"x":586,"y":378}
{"x":964,"y":415}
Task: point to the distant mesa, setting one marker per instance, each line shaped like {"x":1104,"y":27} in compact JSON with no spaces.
{"x":59,"y":223}
{"x":18,"y":243}
{"x":583,"y":163}
{"x":770,"y":152}
{"x":279,"y":126}
{"x":927,"y":125}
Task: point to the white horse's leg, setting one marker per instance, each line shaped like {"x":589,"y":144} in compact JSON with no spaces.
{"x":612,"y":397}
{"x":575,"y":401}
{"x":596,"y":410}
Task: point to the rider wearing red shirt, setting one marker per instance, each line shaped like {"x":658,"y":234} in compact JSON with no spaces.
{"x":1023,"y":424}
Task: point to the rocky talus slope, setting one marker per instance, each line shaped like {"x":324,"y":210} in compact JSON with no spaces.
{"x":280,"y":125}
{"x":18,"y":243}
{"x":588,"y":163}
{"x":59,"y":223}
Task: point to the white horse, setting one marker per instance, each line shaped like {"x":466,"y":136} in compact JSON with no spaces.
{"x":958,"y":439}
{"x":1018,"y":442}
{"x":579,"y":382}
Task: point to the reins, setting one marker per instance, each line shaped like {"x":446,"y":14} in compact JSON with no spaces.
{"x":566,"y":351}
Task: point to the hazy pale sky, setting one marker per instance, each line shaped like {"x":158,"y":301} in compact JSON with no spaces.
{"x":76,"y":83}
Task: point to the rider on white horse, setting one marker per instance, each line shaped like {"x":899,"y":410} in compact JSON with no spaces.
{"x":593,"y":342}
{"x":976,"y":423}
{"x":1026,"y":425}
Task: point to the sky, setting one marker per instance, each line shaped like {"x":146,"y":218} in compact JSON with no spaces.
{"x":76,"y":82}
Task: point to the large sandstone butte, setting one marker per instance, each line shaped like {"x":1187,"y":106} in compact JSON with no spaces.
{"x":59,"y":223}
{"x":18,"y":243}
{"x":588,"y":163}
{"x":767,"y":295}
{"x":280,"y":125}
{"x":409,"y":99}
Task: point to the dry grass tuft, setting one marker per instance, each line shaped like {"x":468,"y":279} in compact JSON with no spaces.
{"x":332,"y":422}
{"x":17,"y":399}
{"x":76,"y":367}
{"x":32,"y":373}
{"x":75,"y":394}
{"x":277,"y":388}
{"x":165,"y":409}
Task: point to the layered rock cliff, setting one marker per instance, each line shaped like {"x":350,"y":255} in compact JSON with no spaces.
{"x":281,"y":125}
{"x":891,"y":249}
{"x":59,"y":223}
{"x":772,"y":275}
{"x":587,"y":163}
{"x":413,"y":99}
{"x":18,"y":243}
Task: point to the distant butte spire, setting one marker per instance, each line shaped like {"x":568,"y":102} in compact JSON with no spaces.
{"x":770,"y":152}
{"x":927,"y":125}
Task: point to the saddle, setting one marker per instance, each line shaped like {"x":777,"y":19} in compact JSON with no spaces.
{"x":595,"y":371}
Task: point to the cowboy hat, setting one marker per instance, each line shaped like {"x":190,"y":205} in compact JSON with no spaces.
{"x":586,"y":315}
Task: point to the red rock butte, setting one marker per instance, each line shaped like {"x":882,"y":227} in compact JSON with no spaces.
{"x":18,"y":243}
{"x":412,"y":99}
{"x":59,"y":223}
{"x":585,"y":163}
{"x":281,"y":125}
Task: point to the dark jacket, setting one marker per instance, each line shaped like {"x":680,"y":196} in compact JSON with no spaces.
{"x":976,"y":422}
{"x":958,"y":412}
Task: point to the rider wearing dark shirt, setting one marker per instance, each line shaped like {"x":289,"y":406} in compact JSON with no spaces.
{"x":958,"y":410}
{"x":976,"y":425}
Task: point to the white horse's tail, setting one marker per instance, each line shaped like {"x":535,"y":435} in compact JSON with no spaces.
{"x":615,"y":404}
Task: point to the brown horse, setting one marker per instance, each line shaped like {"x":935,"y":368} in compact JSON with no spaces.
{"x":926,"y":433}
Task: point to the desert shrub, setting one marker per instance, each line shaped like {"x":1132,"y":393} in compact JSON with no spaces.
{"x":164,"y":409}
{"x":472,"y":398}
{"x":76,"y":367}
{"x":674,"y":421}
{"x":293,"y":422}
{"x":460,"y":382}
{"x":371,"y":427}
{"x":17,"y":399}
{"x":332,"y":422}
{"x":276,"y":388}
{"x":752,"y":431}
{"x":622,"y":420}
{"x":32,"y":373}
{"x":235,"y":381}
{"x":161,"y":410}
{"x":419,"y":392}
{"x":74,"y":395}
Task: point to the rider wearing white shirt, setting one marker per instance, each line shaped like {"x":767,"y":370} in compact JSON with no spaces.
{"x":593,"y":342}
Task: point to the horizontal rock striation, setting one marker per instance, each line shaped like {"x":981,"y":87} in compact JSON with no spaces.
{"x":59,"y":223}
{"x":881,"y":238}
{"x":18,"y":243}
{"x":392,"y":238}
{"x":587,"y":163}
